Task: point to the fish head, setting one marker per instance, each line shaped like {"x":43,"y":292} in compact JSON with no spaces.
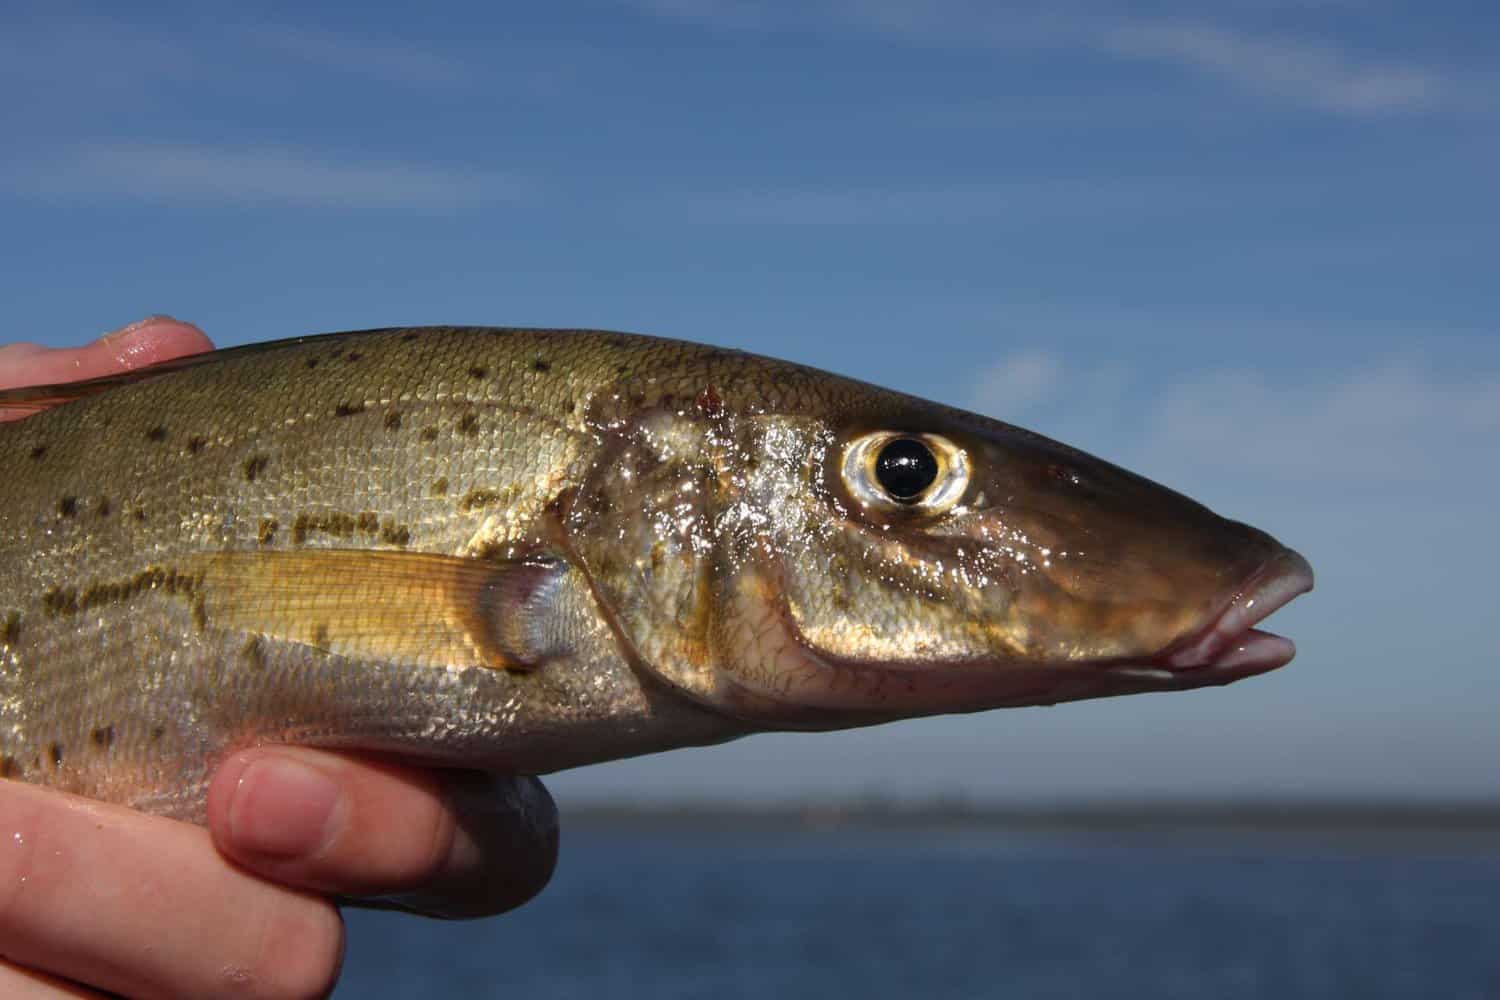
{"x":810,"y":552}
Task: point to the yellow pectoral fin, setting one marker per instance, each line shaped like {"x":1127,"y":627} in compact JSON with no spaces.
{"x":406,"y":607}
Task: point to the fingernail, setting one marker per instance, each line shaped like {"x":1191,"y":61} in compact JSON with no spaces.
{"x":283,"y":808}
{"x":126,"y":331}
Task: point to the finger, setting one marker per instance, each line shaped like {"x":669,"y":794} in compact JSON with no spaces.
{"x":157,"y":338}
{"x":17,"y":983}
{"x":443,"y":843}
{"x":144,"y":906}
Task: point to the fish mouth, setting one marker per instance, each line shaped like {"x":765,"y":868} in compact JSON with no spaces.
{"x":836,"y":692}
{"x":1229,"y":646}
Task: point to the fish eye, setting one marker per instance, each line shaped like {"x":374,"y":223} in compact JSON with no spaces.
{"x":922,"y":473}
{"x":905,"y":467}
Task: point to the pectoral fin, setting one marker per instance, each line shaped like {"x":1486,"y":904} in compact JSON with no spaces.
{"x":406,"y":607}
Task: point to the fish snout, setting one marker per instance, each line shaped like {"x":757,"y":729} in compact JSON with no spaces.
{"x":1228,"y":641}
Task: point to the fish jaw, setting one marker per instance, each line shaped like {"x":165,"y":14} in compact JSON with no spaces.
{"x":1229,"y":640}
{"x":801,"y":687}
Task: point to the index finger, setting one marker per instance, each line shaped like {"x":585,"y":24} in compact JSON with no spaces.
{"x":154,"y":339}
{"x":144,"y":906}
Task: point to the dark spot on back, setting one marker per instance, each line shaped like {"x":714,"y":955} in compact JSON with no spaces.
{"x":157,"y":434}
{"x":475,"y":499}
{"x":468,"y":424}
{"x":348,"y":409}
{"x":157,"y":732}
{"x":408,"y":336}
{"x":311,"y":363}
{"x":354,"y":355}
{"x":10,"y":631}
{"x":103,"y":507}
{"x":267,"y":530}
{"x":622,"y":369}
{"x":55,"y":751}
{"x":60,"y":601}
{"x":392,"y":533}
{"x":139,"y":514}
{"x":39,"y":451}
{"x":200,"y":613}
{"x":67,"y":507}
{"x":254,"y":466}
{"x":541,"y":365}
{"x":393,"y":420}
{"x":478,"y":371}
{"x":254,"y":653}
{"x":440,"y":486}
{"x":335,"y":523}
{"x":102,"y":737}
{"x":429,"y":433}
{"x":101,"y":593}
{"x":709,"y":402}
{"x":195,"y":445}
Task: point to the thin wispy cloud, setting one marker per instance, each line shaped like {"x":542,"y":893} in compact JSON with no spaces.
{"x":1016,"y":383}
{"x":395,"y":61}
{"x":1311,"y":72}
{"x":1016,"y":202}
{"x":230,"y":176}
{"x":1368,"y":427}
{"x":101,"y":56}
{"x":722,"y":13}
{"x":90,"y":54}
{"x":1388,"y":424}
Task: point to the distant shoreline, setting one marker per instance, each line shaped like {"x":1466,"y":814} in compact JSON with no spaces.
{"x":1359,"y":819}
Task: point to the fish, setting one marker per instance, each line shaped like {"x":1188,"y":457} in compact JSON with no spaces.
{"x":525,"y":550}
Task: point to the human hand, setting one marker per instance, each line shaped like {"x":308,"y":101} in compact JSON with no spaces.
{"x":95,"y":896}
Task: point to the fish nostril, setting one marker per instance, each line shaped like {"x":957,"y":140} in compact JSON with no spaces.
{"x":1065,"y":474}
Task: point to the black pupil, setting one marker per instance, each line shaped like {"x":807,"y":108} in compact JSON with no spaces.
{"x":906,"y":468}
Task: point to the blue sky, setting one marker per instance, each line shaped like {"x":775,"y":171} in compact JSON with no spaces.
{"x":1245,"y":248}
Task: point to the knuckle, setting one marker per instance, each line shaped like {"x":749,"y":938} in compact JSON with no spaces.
{"x":301,"y":956}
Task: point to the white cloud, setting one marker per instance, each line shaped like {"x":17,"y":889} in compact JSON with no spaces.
{"x":168,"y":172}
{"x":719,"y":13}
{"x":94,"y":55}
{"x":1016,"y":383}
{"x":107,"y":59}
{"x":1024,"y":201}
{"x":1313,"y":72}
{"x":401,"y":62}
{"x":1309,"y":73}
{"x":1382,"y":425}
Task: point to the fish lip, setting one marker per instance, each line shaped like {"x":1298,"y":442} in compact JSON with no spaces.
{"x":1230,"y":642}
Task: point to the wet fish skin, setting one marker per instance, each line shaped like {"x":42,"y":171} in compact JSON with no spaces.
{"x":526,"y":550}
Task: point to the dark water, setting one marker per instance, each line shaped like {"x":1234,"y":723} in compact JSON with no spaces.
{"x":654,"y":914}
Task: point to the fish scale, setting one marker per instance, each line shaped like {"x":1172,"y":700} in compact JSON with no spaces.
{"x":525,"y":550}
